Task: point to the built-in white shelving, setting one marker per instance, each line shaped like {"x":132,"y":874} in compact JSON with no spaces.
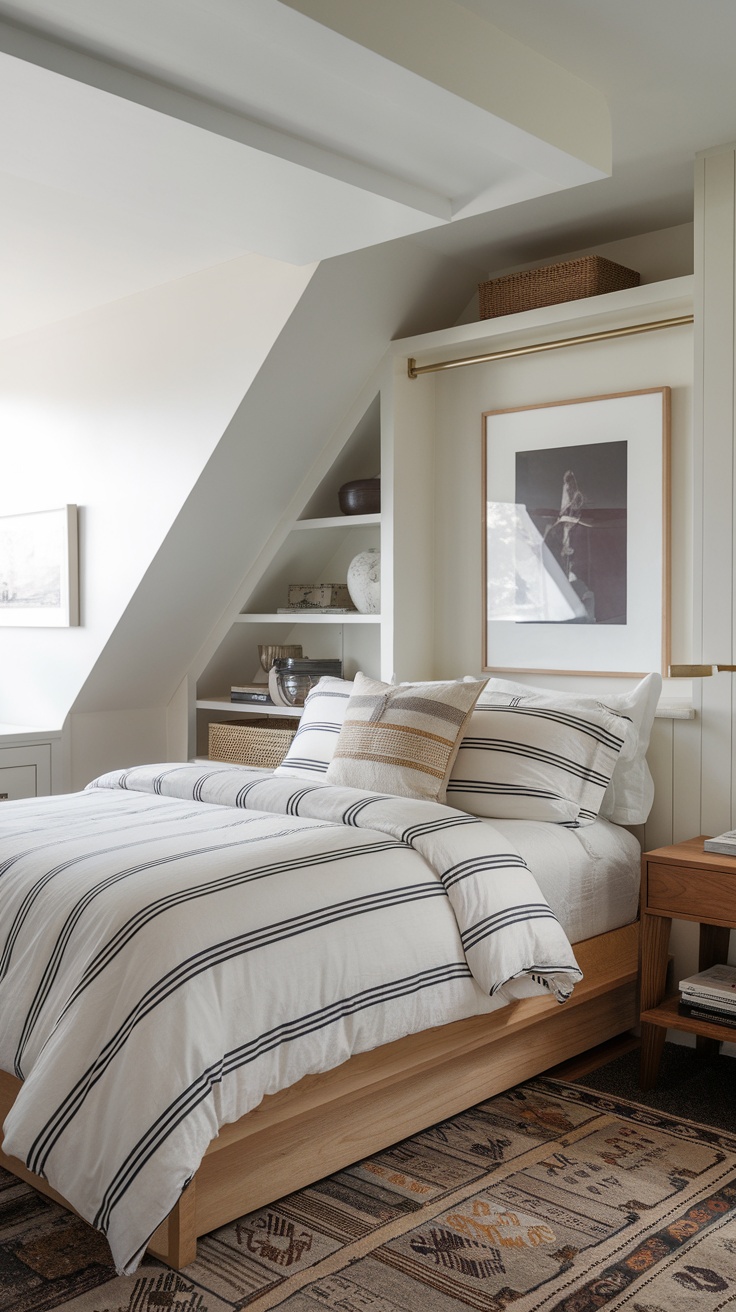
{"x":337,"y":521}
{"x":221,"y":704}
{"x":313,"y":545}
{"x":307,"y":617}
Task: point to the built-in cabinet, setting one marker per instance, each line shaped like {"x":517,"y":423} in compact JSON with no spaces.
{"x":26,"y":761}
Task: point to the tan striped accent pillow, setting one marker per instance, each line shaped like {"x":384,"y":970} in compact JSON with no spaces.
{"x":402,"y":739}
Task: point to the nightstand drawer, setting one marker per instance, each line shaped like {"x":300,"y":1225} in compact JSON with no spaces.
{"x":703,"y":895}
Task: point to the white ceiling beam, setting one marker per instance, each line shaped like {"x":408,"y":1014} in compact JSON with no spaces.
{"x":159,"y":137}
{"x":449,"y":45}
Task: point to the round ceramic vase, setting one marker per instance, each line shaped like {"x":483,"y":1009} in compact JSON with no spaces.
{"x":364,"y":581}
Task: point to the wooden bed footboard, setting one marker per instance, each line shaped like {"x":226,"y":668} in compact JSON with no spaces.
{"x":326,"y":1122}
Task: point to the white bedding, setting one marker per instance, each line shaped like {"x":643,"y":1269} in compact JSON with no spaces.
{"x":158,"y":939}
{"x":590,"y":876}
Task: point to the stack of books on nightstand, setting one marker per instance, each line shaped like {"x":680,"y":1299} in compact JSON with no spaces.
{"x":724,"y":843}
{"x":710,"y":995}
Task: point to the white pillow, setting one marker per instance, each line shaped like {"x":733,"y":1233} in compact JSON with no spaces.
{"x":630,"y":793}
{"x":313,"y":744}
{"x":522,"y":758}
{"x":402,"y":739}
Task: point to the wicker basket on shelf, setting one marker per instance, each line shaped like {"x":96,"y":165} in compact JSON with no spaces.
{"x":572,"y":280}
{"x":258,"y":740}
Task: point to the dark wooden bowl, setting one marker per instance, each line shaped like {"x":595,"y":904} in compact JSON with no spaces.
{"x":361,"y":497}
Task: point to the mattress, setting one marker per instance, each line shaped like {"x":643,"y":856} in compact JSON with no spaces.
{"x":590,"y":876}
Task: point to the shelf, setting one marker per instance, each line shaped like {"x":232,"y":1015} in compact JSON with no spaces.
{"x":306,"y":617}
{"x":669,"y":298}
{"x":246,"y":708}
{"x":339,"y":521}
{"x":666,"y":1014}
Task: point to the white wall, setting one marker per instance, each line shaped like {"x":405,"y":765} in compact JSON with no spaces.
{"x":118,"y":410}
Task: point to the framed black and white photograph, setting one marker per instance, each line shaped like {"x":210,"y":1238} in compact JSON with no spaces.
{"x":576,"y":535}
{"x":39,"y":570}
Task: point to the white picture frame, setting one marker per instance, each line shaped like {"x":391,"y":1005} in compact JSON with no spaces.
{"x":39,"y":569}
{"x":576,"y":535}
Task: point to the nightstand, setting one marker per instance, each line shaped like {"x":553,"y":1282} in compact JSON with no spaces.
{"x":685,"y":883}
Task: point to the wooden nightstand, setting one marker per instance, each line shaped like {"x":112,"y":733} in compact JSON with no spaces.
{"x":685,"y":883}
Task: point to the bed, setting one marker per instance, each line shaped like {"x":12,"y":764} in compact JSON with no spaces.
{"x":170,"y":1057}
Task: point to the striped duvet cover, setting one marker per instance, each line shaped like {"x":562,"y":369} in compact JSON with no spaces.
{"x":178,"y":941}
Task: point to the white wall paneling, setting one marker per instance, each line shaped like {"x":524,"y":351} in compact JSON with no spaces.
{"x":715,"y":233}
{"x":714,"y":474}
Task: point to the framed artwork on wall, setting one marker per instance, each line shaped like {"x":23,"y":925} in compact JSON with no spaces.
{"x":576,"y":535}
{"x":39,"y":569}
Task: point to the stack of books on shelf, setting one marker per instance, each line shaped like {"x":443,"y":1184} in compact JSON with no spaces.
{"x":256,"y":694}
{"x":710,"y":995}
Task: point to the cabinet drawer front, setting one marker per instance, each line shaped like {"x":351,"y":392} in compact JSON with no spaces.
{"x":17,"y":781}
{"x":25,"y":771}
{"x":708,"y":896}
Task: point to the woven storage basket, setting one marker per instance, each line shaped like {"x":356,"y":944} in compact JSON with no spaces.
{"x":570,"y":281}
{"x":258,"y":740}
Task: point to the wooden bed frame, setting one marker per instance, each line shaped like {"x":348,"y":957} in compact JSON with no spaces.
{"x":326,"y":1122}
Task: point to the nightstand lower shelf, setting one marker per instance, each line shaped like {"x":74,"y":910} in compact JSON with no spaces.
{"x":666,"y":1014}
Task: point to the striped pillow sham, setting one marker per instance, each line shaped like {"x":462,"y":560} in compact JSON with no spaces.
{"x":313,"y":744}
{"x":630,"y":793}
{"x":523,"y":760}
{"x":402,"y":739}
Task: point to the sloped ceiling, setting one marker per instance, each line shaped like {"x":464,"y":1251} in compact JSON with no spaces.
{"x":157,"y":137}
{"x":331,"y":346}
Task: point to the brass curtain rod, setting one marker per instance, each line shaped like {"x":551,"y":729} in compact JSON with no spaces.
{"x":415,"y":369}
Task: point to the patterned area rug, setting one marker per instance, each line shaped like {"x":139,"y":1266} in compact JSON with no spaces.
{"x":549,"y":1198}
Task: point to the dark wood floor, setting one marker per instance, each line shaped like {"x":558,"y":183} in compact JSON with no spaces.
{"x":578,"y":1067}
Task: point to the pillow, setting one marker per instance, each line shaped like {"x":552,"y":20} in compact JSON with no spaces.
{"x":522,"y":758}
{"x":629,"y":796}
{"x":313,"y":744}
{"x":402,"y":739}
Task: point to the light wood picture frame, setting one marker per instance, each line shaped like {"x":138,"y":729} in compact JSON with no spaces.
{"x":39,"y":569}
{"x":576,"y":535}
